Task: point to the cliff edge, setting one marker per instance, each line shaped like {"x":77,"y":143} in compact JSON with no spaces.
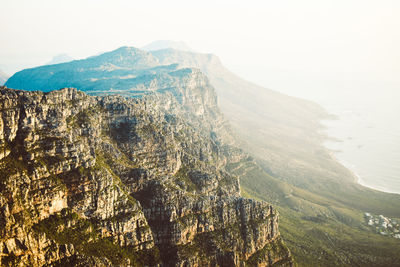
{"x":114,"y":181}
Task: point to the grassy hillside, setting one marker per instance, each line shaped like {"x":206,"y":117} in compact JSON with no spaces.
{"x":325,"y":229}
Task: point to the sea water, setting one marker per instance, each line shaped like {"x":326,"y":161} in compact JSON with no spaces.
{"x":366,"y":135}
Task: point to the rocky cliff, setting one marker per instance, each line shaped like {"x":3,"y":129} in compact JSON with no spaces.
{"x":278,"y":130}
{"x":106,"y":181}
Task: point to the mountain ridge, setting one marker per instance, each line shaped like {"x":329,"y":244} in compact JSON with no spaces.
{"x":143,"y":176}
{"x":61,"y":58}
{"x":317,"y":197}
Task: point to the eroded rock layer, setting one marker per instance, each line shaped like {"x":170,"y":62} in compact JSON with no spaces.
{"x":108,"y":181}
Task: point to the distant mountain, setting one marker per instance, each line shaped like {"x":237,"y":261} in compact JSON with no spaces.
{"x":61,"y":58}
{"x":121,"y":68}
{"x":3,"y":77}
{"x":164,"y":44}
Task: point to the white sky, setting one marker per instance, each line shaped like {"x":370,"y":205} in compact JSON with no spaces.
{"x":281,"y":44}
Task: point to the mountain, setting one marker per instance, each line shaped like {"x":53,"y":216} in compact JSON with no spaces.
{"x":272,"y":125}
{"x":163,"y":44}
{"x":322,"y":207}
{"x":61,"y":58}
{"x":138,"y":181}
{"x":107,"y":70}
{"x":318,"y":198}
{"x":3,"y":77}
{"x":103,"y":181}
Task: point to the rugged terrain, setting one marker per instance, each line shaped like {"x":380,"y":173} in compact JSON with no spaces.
{"x":321,"y":206}
{"x":103,"y":181}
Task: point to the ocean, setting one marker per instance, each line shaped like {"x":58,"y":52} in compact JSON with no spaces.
{"x":366,"y":136}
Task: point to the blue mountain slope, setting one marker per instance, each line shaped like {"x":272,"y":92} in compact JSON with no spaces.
{"x":119,"y":68}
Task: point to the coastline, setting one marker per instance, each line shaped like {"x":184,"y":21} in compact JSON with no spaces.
{"x":361,"y":182}
{"x":357,"y":177}
{"x":341,"y":133}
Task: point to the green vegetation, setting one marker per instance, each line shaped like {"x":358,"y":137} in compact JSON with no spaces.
{"x":324,"y":229}
{"x":84,"y":236}
{"x":267,"y":252}
{"x":104,"y":162}
{"x":184,"y":181}
{"x":205,"y":244}
{"x":224,"y":239}
{"x":10,"y":165}
{"x":83,"y":117}
{"x":14,"y":162}
{"x":51,"y":160}
{"x":121,"y":131}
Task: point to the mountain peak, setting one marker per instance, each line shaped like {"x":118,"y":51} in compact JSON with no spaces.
{"x":61,"y":58}
{"x":128,"y":56}
{"x":205,"y":62}
{"x":163,"y":44}
{"x":127,"y":49}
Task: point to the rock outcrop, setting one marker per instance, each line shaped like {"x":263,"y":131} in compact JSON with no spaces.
{"x":105,"y":181}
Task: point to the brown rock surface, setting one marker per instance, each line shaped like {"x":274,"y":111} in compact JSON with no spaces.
{"x":105,"y":181}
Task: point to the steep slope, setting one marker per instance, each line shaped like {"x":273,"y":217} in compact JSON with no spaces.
{"x":102,"y":181}
{"x":322,"y":206}
{"x":277,"y":129}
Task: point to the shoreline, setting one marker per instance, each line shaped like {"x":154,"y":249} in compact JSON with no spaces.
{"x":334,"y":153}
{"x":357,"y":177}
{"x":361,"y":182}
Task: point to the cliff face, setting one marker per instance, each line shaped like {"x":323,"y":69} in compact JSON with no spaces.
{"x":104,"y":181}
{"x":278,"y":130}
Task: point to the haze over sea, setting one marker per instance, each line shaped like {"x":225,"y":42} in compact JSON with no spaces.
{"x":366,"y":135}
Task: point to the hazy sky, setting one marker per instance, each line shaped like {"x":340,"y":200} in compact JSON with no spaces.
{"x":275,"y":43}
